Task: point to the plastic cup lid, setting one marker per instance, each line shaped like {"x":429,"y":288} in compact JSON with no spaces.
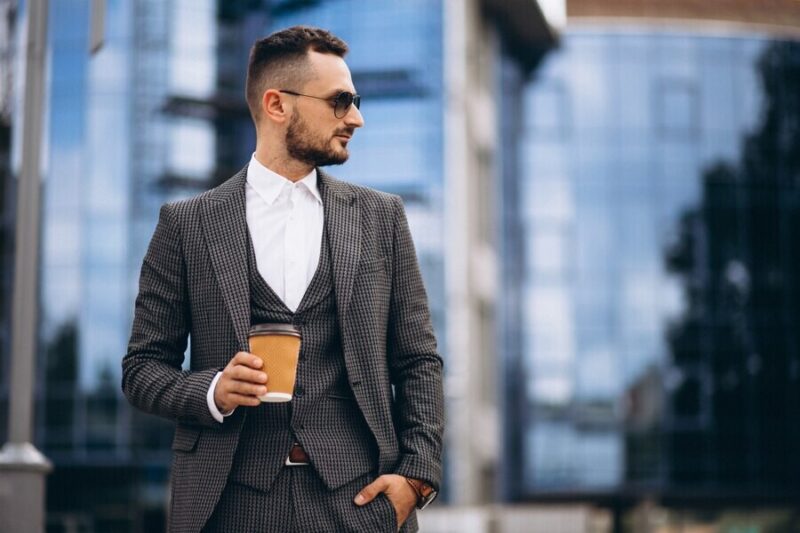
{"x":274,"y":329}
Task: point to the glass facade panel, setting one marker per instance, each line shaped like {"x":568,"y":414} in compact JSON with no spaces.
{"x":193,"y":32}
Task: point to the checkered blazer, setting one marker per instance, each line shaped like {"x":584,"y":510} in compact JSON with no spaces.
{"x":194,"y":282}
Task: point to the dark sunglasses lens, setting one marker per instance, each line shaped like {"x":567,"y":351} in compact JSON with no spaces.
{"x":343,"y":103}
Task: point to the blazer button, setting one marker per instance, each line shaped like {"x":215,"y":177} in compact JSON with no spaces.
{"x":299,"y":392}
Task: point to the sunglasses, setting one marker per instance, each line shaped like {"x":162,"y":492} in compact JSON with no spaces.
{"x":341,"y":102}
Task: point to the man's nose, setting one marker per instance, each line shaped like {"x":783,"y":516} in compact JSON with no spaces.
{"x":354,"y":118}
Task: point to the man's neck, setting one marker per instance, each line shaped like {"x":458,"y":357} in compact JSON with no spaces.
{"x":287,"y":167}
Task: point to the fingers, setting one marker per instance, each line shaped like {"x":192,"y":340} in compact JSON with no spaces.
{"x":243,"y":373}
{"x":244,"y":388}
{"x":241,"y":382}
{"x":231,"y":393}
{"x":245,"y":400}
{"x":246,"y":359}
{"x":369,"y":492}
{"x":245,"y":367}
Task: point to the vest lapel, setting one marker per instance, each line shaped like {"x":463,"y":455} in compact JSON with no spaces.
{"x":225,"y":228}
{"x":320,"y":284}
{"x":343,"y":224}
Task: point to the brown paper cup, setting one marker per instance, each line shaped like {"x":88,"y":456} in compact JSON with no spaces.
{"x":278,"y":345}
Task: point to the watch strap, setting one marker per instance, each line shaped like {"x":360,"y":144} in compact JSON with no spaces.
{"x":424,"y":491}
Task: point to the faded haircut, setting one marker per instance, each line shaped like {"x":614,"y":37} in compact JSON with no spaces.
{"x":280,"y":61}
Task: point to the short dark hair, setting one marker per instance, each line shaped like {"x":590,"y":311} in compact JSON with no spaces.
{"x":280,"y":60}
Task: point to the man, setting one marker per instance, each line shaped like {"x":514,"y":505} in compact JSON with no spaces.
{"x":359,"y":445}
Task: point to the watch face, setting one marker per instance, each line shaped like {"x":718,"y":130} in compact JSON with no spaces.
{"x":427,"y":497}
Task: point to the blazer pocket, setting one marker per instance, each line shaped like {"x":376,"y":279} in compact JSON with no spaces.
{"x":186,"y":438}
{"x":372,"y":265}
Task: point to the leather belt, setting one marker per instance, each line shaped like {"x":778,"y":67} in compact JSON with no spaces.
{"x":297,"y":456}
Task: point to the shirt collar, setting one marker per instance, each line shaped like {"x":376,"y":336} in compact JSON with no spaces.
{"x":269,"y":184}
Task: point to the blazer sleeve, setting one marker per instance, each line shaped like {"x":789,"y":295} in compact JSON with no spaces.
{"x":415,"y":366}
{"x":152,"y":375}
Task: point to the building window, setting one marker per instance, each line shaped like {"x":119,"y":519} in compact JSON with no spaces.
{"x":676,"y":110}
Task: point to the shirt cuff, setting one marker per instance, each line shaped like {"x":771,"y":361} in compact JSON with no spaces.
{"x":212,"y":405}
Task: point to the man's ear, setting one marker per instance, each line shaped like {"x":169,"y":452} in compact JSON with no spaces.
{"x":274,"y":107}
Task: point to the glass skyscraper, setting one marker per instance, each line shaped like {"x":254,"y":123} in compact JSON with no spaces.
{"x":656,"y":198}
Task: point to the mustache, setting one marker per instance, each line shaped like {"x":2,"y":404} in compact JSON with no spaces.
{"x":346,"y":131}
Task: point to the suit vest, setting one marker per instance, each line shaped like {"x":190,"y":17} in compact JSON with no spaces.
{"x":323,"y":415}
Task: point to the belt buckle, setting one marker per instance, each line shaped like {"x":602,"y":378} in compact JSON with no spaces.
{"x":289,"y":461}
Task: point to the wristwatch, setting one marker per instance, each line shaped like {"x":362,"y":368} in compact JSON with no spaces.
{"x":425,"y":493}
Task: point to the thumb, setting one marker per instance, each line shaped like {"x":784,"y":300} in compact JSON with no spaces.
{"x":369,"y":492}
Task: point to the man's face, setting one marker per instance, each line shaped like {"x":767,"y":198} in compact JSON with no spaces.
{"x":314,"y":135}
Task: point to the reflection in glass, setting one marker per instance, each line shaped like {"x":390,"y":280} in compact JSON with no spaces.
{"x":659,"y":343}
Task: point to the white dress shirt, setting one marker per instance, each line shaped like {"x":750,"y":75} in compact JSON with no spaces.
{"x":285,"y":221}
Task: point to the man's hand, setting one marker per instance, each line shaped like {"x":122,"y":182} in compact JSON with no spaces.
{"x":241,"y":383}
{"x":400,"y":494}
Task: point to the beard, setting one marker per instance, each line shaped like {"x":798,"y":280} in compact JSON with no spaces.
{"x":312,"y":148}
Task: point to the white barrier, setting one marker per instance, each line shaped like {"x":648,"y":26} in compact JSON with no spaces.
{"x":515,"y":519}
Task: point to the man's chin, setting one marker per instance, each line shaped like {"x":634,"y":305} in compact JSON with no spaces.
{"x":332,"y":162}
{"x":336,"y":159}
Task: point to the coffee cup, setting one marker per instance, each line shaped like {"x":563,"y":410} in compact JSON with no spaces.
{"x":278,"y":346}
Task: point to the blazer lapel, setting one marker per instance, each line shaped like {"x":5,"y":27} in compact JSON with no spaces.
{"x":343,"y":228}
{"x":225,"y":227}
